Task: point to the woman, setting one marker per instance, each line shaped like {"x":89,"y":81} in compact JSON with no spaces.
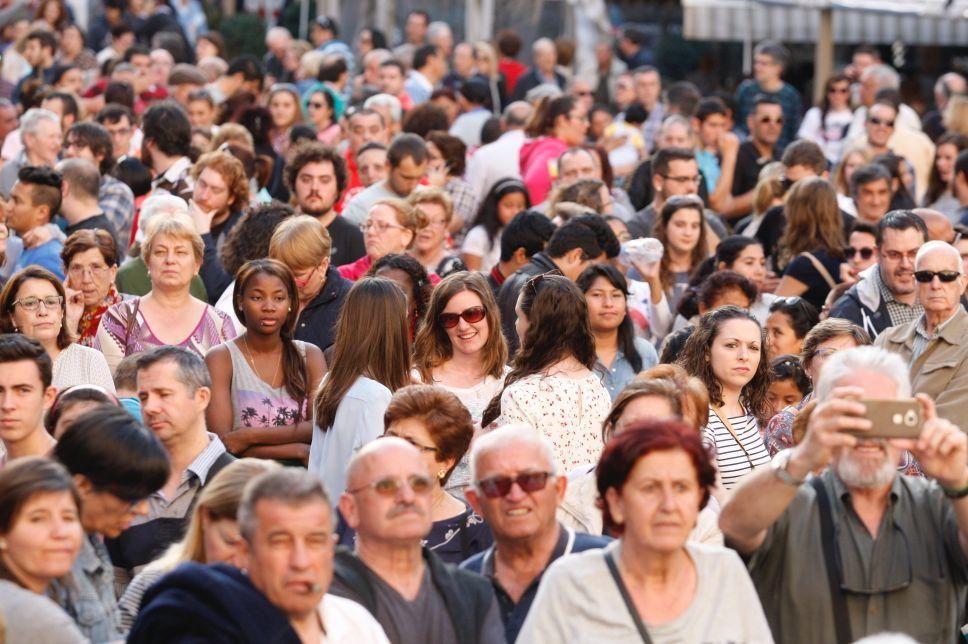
{"x":51,"y":15}
{"x":255,"y":413}
{"x":681,"y":230}
{"x":938,"y":196}
{"x":435,"y":422}
{"x":73,"y":51}
{"x":551,"y":386}
{"x":91,"y":263}
{"x":620,"y":353}
{"x":370,"y":362}
{"x":790,"y":320}
{"x":168,"y":314}
{"x":482,"y":245}
{"x":391,"y":227}
{"x":284,"y":108}
{"x":445,"y":170}
{"x":852,"y":160}
{"x":72,"y":403}
{"x":33,"y":303}
{"x":827,"y":124}
{"x":902,"y":180}
{"x":412,"y":279}
{"x":823,"y":340}
{"x":212,"y":535}
{"x":726,"y":353}
{"x":432,"y":245}
{"x":744,"y":255}
{"x":320,"y":108}
{"x":651,"y":584}
{"x":554,"y":126}
{"x":210,"y":43}
{"x":812,"y":246}
{"x":41,"y":534}
{"x":485,"y":59}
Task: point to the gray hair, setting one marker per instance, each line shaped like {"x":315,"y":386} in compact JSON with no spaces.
{"x":676,"y":119}
{"x":278,"y":33}
{"x":944,"y":247}
{"x":287,"y":485}
{"x":509,"y":436}
{"x":549,"y":90}
{"x":192,"y":371}
{"x":160,"y":204}
{"x":885,"y":76}
{"x":436,"y":29}
{"x":386,"y":100}
{"x":542,"y":42}
{"x":516,"y":114}
{"x":30,"y":122}
{"x":867,"y":360}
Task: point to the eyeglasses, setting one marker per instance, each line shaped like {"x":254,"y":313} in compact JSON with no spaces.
{"x":391,"y":486}
{"x":33,"y":303}
{"x":472,"y":315}
{"x":496,"y":487}
{"x":873,"y":120}
{"x":766,"y":120}
{"x":95,"y":271}
{"x":379,"y":227}
{"x":926,"y":277}
{"x":422,"y":448}
{"x":865,"y":253}
{"x":897,"y":256}
{"x":302,"y":281}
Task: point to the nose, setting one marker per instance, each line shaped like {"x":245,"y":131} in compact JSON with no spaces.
{"x":7,"y":400}
{"x":516,"y":493}
{"x":299,"y":559}
{"x":668,"y":499}
{"x":62,"y":528}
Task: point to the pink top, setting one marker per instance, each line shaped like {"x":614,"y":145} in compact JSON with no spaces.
{"x":539,"y":165}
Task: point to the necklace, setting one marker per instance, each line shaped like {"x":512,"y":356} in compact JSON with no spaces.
{"x":272,"y":383}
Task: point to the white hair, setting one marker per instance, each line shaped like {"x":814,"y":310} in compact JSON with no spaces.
{"x":280,"y":34}
{"x":944,"y":247}
{"x":30,"y":122}
{"x":158,"y":205}
{"x":386,"y":100}
{"x":510,"y":437}
{"x":885,"y":76}
{"x":549,"y":90}
{"x":436,"y":29}
{"x":543,"y":42}
{"x":863,"y":360}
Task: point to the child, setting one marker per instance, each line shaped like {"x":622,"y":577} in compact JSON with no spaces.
{"x":627,"y":155}
{"x":789,"y":383}
{"x":126,"y":385}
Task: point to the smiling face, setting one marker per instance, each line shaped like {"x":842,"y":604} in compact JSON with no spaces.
{"x":736,"y":352}
{"x":873,"y":200}
{"x":43,"y":540}
{"x":896,"y":254}
{"x":467,"y":338}
{"x":880,"y":124}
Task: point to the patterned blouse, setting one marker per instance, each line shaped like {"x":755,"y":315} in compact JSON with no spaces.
{"x":91,"y":317}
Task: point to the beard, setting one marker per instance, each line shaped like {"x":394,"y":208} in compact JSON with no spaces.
{"x":861,"y":473}
{"x":317,"y":208}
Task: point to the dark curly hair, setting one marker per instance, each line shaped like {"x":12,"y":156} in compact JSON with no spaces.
{"x":249,"y":238}
{"x":418,"y":276}
{"x":424,"y":119}
{"x":313,"y":152}
{"x":452,"y":149}
{"x":695,"y":360}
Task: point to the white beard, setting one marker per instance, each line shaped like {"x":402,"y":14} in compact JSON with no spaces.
{"x":856,"y":474}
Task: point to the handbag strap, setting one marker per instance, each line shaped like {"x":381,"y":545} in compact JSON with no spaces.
{"x":629,"y":604}
{"x":824,"y":273}
{"x":732,"y":432}
{"x":827,"y":536}
{"x":132,"y":319}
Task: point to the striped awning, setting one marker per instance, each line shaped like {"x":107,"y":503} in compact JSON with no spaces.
{"x":914,"y":22}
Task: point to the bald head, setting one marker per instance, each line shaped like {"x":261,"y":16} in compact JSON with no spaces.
{"x":516,"y":115}
{"x":939,"y":226}
{"x":367,"y":464}
{"x":947,"y":256}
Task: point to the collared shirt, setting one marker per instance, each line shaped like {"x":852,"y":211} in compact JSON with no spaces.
{"x":117,"y":202}
{"x":615,"y":378}
{"x":176,"y":180}
{"x":922,"y":338}
{"x":194,"y":477}
{"x":87,"y":593}
{"x":911,"y":578}
{"x":899,"y":312}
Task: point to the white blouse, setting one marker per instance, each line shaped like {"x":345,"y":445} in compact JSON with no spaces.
{"x":80,"y":365}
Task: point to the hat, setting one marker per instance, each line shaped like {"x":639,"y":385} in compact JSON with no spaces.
{"x":327,"y":23}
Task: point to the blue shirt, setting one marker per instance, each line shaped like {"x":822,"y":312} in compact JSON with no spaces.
{"x":621,"y":373}
{"x":46,"y":255}
{"x":709,"y":167}
{"x":788,"y":98}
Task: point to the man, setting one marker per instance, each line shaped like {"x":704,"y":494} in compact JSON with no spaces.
{"x":277,"y":43}
{"x":122,"y":39}
{"x":526,"y":234}
{"x":947,"y":85}
{"x":315,"y":177}
{"x":890,"y":527}
{"x":408,"y":158}
{"x":92,"y":141}
{"x":583,"y":241}
{"x":64,"y":106}
{"x":879,"y":126}
{"x":25,"y":396}
{"x":632,"y":48}
{"x":527,"y":535}
{"x":174,"y":388}
{"x":608,"y":69}
{"x":741,"y":165}
{"x":415,"y":33}
{"x":371,"y":161}
{"x":500,"y":159}
{"x":287,"y":530}
{"x":648,"y":93}
{"x":544,"y":58}
{"x":119,"y":122}
{"x":165,"y":148}
{"x":709,"y":122}
{"x":40,"y":132}
{"x":79,"y":204}
{"x":34,"y":200}
{"x":409,"y":591}
{"x":429,"y":68}
{"x":769,"y":61}
{"x":675,"y":132}
{"x":201,"y":110}
{"x":184,"y":80}
{"x":473,"y":96}
{"x":40,"y":47}
{"x":959,"y":186}
{"x":245,"y":74}
{"x":145,"y":90}
{"x":462,"y":66}
{"x":886,"y":294}
{"x":440,"y":35}
{"x":163,"y":64}
{"x":364,"y":126}
{"x":870,"y":187}
{"x":574,"y":164}
{"x":873,"y":79}
{"x":936,"y":344}
{"x":939,"y":226}
{"x":392,"y":78}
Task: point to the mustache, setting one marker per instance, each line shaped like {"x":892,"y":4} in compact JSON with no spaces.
{"x":403,"y":508}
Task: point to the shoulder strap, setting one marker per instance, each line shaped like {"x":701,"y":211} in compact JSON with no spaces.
{"x":824,"y":273}
{"x":629,"y":604}
{"x":827,"y":536}
{"x":732,"y":432}
{"x":133,"y":309}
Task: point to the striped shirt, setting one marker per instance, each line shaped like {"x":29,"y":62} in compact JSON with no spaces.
{"x":732,"y":461}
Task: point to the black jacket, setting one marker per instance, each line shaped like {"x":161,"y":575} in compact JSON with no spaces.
{"x":529,"y":80}
{"x":210,"y":604}
{"x":317,"y":323}
{"x":212,"y":272}
{"x":507,"y":297}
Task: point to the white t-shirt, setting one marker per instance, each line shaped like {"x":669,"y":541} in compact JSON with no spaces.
{"x":477,"y":243}
{"x":347,"y":622}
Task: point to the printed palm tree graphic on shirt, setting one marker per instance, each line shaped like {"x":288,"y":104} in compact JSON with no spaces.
{"x":271,"y":414}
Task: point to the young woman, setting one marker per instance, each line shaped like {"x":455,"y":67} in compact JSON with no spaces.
{"x":827,"y":124}
{"x":482,"y":245}
{"x":262,"y":381}
{"x":726,"y":353}
{"x":680,"y":229}
{"x":556,"y":124}
{"x":744,"y":255}
{"x":370,"y":362}
{"x":852,"y":160}
{"x":938,"y":196}
{"x":790,"y":320}
{"x":284,"y":108}
{"x":621,"y":354}
{"x":551,"y":386}
{"x":320,"y":106}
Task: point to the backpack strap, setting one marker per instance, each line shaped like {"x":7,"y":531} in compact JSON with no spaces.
{"x":827,"y":536}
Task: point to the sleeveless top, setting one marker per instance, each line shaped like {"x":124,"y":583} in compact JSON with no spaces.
{"x":254,"y":402}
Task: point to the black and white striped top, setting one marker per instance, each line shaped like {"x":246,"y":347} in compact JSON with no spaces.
{"x":732,"y":462}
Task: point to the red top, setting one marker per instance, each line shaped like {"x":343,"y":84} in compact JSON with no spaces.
{"x":512,"y":71}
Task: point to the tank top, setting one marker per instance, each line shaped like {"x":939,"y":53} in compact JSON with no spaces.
{"x":254,"y":402}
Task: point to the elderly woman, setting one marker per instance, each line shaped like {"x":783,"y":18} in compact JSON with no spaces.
{"x":168,"y":314}
{"x":91,"y":263}
{"x":431,"y":247}
{"x":651,"y":584}
{"x":33,"y":303}
{"x":390,"y":227}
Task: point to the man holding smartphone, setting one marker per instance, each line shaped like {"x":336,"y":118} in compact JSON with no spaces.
{"x":857,"y":548}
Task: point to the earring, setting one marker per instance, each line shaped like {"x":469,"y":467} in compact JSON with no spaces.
{"x":441,"y":474}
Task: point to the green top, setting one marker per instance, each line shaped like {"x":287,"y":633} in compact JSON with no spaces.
{"x":132,"y":279}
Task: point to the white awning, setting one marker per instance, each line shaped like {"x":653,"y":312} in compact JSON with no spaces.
{"x":914,"y":22}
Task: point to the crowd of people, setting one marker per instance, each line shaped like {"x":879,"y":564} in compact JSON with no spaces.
{"x":620,"y":341}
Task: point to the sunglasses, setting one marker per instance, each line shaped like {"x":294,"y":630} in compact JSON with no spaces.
{"x":926,"y":277}
{"x":876,"y":121}
{"x":390,"y":487}
{"x":471,"y":316}
{"x":766,"y":120}
{"x":316,"y":105}
{"x":865,"y":253}
{"x":500,"y":486}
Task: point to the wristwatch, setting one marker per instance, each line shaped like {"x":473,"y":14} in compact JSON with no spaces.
{"x":780,"y":465}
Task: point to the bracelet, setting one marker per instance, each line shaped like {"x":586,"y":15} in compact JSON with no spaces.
{"x":959,"y":493}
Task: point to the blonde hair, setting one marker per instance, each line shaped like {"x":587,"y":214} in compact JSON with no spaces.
{"x":768,"y":188}
{"x":233,"y":133}
{"x":408,"y":216}
{"x":956,"y":115}
{"x":435,"y":196}
{"x":176,"y":225}
{"x":300,"y":242}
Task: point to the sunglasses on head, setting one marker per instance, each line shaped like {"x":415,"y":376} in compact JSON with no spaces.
{"x":865,"y":253}
{"x":500,"y":486}
{"x":471,"y":316}
{"x":926,"y":277}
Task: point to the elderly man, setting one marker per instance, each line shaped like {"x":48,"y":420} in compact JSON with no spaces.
{"x":406,"y":587}
{"x":40,"y":132}
{"x":894,"y":547}
{"x":936,"y":344}
{"x":544,"y":57}
{"x":516,"y":490}
{"x":287,"y":527}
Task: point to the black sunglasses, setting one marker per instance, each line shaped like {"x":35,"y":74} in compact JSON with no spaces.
{"x":471,"y":316}
{"x":865,"y":253}
{"x":499,"y":486}
{"x":876,"y":121}
{"x":925,"y":277}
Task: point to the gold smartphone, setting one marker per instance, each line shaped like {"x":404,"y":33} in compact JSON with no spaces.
{"x":892,"y":418}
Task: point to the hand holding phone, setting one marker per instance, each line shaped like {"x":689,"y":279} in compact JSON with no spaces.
{"x":893,"y":417}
